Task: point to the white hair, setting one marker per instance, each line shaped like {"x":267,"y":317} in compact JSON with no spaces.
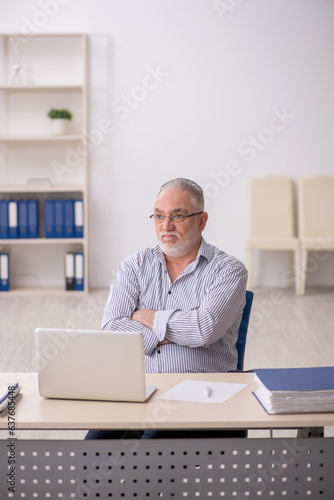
{"x":181,"y":184}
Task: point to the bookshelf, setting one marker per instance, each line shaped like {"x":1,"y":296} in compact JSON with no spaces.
{"x":34,"y":163}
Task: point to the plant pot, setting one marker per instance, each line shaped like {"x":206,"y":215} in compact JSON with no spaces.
{"x":59,"y":126}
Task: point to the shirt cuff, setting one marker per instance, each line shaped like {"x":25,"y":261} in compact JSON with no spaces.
{"x":161,"y":319}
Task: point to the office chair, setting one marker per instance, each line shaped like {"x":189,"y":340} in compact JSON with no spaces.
{"x":242,"y":334}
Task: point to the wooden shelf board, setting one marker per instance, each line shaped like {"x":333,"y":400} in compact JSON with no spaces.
{"x":41,"y":241}
{"x":50,"y":138}
{"x":40,"y":290}
{"x":42,"y":188}
{"x":20,"y":88}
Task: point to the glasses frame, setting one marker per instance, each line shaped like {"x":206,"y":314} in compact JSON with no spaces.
{"x":171,"y":217}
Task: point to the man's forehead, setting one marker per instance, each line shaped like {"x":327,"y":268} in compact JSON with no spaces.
{"x":172,"y":198}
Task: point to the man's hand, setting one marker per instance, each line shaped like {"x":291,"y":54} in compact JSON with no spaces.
{"x":145,"y":317}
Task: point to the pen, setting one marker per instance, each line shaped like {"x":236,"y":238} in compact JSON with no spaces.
{"x":208,"y":390}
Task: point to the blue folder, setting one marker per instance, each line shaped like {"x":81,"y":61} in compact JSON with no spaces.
{"x":69,"y":218}
{"x":78,"y":218}
{"x":23,"y":219}
{"x":59,"y":218}
{"x":4,"y":272}
{"x":297,"y":379}
{"x":49,"y":219}
{"x":13,"y":227}
{"x":33,"y":218}
{"x":78,"y":271}
{"x":3,"y":219}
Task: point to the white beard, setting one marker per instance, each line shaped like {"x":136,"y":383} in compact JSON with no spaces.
{"x":182,"y":246}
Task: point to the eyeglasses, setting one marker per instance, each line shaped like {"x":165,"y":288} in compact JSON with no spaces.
{"x":158,"y":218}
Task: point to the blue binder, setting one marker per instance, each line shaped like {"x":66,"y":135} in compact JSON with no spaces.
{"x":49,"y":219}
{"x":78,"y":218}
{"x":3,"y":219}
{"x":23,"y":219}
{"x":297,"y":379}
{"x":69,"y":218}
{"x":4,"y":272}
{"x":13,"y":226}
{"x":59,"y":218}
{"x":69,"y":271}
{"x":78,"y":271}
{"x":33,"y":218}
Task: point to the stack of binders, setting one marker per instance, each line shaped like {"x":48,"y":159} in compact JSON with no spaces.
{"x":18,"y":219}
{"x":4,"y":272}
{"x":74,"y":271}
{"x":63,"y":218}
{"x":295,"y":390}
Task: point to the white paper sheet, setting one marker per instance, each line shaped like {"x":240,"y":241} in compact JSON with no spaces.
{"x":197,"y":391}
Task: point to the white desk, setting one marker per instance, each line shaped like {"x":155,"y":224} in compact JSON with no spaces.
{"x":240,"y":412}
{"x":230,"y":468}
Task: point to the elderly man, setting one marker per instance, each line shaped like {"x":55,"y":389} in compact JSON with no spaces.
{"x":185,"y":295}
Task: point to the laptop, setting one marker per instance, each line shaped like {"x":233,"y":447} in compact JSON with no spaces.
{"x":91,"y":365}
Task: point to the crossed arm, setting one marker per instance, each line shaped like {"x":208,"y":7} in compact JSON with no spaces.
{"x":217,"y":310}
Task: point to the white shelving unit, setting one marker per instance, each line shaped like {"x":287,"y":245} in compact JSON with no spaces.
{"x":34,"y":164}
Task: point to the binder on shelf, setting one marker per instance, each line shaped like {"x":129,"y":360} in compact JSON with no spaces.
{"x":23,"y":219}
{"x":33,"y":218}
{"x":69,"y":271}
{"x":295,"y":390}
{"x":3,"y":219}
{"x":78,"y":218}
{"x":59,"y":218}
{"x":13,"y":219}
{"x":78,"y":271}
{"x":49,"y":219}
{"x":69,"y":218}
{"x":4,"y":272}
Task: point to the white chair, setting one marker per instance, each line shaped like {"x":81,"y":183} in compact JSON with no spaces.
{"x":271,"y":219}
{"x":316,"y":221}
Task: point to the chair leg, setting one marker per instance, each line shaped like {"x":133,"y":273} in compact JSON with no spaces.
{"x":291,"y":268}
{"x":297,"y":271}
{"x":302,"y":272}
{"x":249,"y":265}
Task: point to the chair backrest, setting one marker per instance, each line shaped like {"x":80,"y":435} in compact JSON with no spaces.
{"x":316,"y":206}
{"x":243,"y":328}
{"x":271,"y":207}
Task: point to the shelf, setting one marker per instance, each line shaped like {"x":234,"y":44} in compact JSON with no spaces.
{"x":41,"y":241}
{"x":42,"y":188}
{"x":41,"y":138}
{"x":35,"y":88}
{"x":41,"y":291}
{"x":51,"y":71}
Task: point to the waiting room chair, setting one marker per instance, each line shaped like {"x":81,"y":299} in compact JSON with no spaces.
{"x":243,"y":328}
{"x":316,"y":220}
{"x":271,"y":218}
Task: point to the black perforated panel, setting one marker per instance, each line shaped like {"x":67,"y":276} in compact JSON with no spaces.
{"x":215,"y":468}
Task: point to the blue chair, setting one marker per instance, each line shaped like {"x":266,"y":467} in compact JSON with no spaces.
{"x":242,"y":334}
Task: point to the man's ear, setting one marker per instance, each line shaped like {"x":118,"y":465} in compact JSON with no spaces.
{"x":203,"y":220}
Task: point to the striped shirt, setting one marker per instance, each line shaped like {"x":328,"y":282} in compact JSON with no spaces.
{"x":199,"y":312}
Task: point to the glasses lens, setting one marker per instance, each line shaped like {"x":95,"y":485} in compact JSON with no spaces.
{"x":173,"y":218}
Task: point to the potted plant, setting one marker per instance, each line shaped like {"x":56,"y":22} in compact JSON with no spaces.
{"x":59,"y":120}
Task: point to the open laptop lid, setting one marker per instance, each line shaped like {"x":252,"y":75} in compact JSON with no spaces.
{"x":91,"y":365}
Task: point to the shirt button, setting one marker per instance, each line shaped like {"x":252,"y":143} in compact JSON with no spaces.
{"x":169,"y":292}
{"x":158,"y":351}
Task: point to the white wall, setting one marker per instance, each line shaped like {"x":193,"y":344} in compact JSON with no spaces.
{"x":223,"y":70}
